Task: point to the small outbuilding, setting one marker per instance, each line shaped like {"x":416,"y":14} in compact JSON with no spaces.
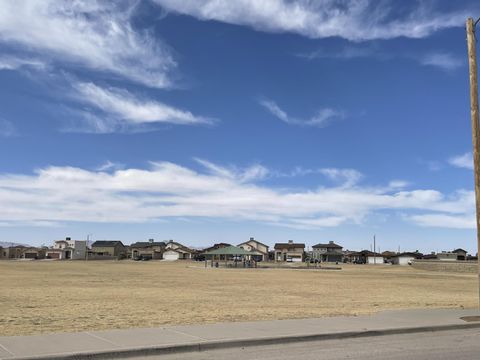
{"x":232,"y":253}
{"x":405,"y":258}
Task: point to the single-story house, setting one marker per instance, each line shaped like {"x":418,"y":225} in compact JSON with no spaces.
{"x":461,"y":254}
{"x":447,"y":256}
{"x":388,"y":255}
{"x":405,"y":258}
{"x":13,"y":252}
{"x":260,"y":250}
{"x":367,"y":257}
{"x":33,"y":253}
{"x":290,"y":251}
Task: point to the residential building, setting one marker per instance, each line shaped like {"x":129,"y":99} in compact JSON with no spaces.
{"x":290,"y":251}
{"x":260,"y":249}
{"x":447,"y":256}
{"x":329,"y":252}
{"x":107,"y":249}
{"x":177,"y":251}
{"x":147,"y":249}
{"x":431,"y":256}
{"x":33,"y":253}
{"x":405,"y":258}
{"x":199,"y":254}
{"x":388,"y":255}
{"x":13,"y":252}
{"x":461,"y":254}
{"x":366,"y":257}
{"x":68,"y":249}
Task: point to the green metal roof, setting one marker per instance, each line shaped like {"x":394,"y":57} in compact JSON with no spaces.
{"x":229,"y":250}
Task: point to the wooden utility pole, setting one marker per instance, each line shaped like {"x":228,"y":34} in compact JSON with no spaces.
{"x":374,"y":251}
{"x":472,"y":64}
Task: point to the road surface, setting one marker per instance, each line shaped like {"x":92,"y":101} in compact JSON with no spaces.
{"x":441,"y":345}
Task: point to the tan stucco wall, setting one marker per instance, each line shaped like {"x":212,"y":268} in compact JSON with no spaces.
{"x":446,"y":266}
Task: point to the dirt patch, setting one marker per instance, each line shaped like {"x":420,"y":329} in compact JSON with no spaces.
{"x":55,"y":296}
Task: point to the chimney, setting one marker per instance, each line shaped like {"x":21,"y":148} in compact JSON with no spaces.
{"x":68,"y":238}
{"x":252,"y":238}
{"x":330,"y":242}
{"x":150,"y":240}
{"x":290,"y":241}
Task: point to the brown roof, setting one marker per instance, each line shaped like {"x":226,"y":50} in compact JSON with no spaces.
{"x":289,"y":245}
{"x":180,"y":246}
{"x":106,"y":243}
{"x":329,"y":245}
{"x":216,"y":246}
{"x":146,"y":244}
{"x":258,"y":242}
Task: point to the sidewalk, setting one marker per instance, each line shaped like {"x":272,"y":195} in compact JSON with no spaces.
{"x":141,"y":342}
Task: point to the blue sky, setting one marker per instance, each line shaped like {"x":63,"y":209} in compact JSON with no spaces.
{"x":208,"y":121}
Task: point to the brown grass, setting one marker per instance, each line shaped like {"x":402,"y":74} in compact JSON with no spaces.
{"x":53,"y":296}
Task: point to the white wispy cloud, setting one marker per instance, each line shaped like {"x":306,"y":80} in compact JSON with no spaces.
{"x":444,"y":61}
{"x":347,"y":177}
{"x":110,"y":166}
{"x":462,"y":161}
{"x":122,"y":107}
{"x":251,"y":173}
{"x":8,"y":62}
{"x":441,"y":60}
{"x":166,"y":190}
{"x":94,"y":34}
{"x":355,"y":20}
{"x":7,"y":129}
{"x":445,"y":221}
{"x":347,"y":52}
{"x":321,"y":119}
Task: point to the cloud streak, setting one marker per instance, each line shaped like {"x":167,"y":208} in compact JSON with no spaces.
{"x":322,"y":118}
{"x":441,"y":60}
{"x":14,"y":63}
{"x":464,"y":161}
{"x":166,"y":190}
{"x":121,"y":106}
{"x":95,"y":34}
{"x":7,"y":129}
{"x":355,"y":20}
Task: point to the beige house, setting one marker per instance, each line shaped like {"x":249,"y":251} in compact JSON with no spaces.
{"x":291,"y":252}
{"x":68,"y":249}
{"x":147,"y":249}
{"x":107,"y":249}
{"x":260,"y":249}
{"x":177,"y":251}
{"x":33,"y":253}
{"x":13,"y":252}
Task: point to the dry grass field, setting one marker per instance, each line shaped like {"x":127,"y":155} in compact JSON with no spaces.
{"x":52,"y":296}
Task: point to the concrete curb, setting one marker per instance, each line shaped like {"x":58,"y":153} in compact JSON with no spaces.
{"x":225,"y":344}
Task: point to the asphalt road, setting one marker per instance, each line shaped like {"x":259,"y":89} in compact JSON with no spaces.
{"x":441,"y":345}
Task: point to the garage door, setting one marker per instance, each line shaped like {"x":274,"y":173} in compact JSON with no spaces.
{"x":170,"y":256}
{"x":30,"y":255}
{"x":54,"y":255}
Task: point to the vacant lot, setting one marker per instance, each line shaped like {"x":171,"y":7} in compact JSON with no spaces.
{"x":54,"y":296}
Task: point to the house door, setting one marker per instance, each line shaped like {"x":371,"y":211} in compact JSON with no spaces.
{"x":68,"y":254}
{"x":285,"y":257}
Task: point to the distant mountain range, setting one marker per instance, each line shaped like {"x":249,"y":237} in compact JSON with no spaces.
{"x":8,"y":244}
